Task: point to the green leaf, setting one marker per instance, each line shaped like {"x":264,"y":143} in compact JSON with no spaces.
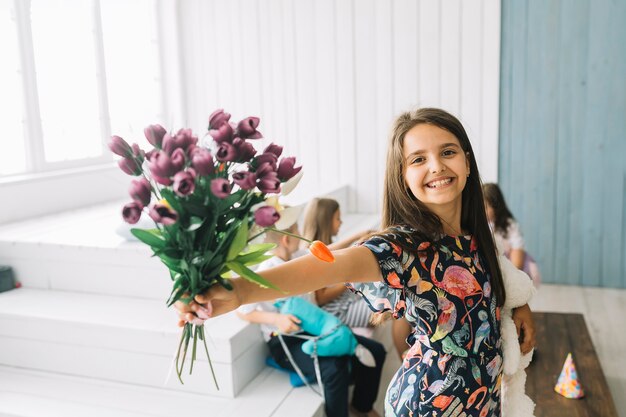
{"x":256,"y":261}
{"x":194,"y":276}
{"x":150,"y":237}
{"x":195,"y":208}
{"x":170,"y":252}
{"x":171,"y":263}
{"x":184,"y":265}
{"x":250,"y":275}
{"x":175,"y":296}
{"x":216,"y":260}
{"x":194,"y":223}
{"x":260,"y":247}
{"x":231,"y":199}
{"x":239,"y":242}
{"x":179,"y":281}
{"x":255,"y":254}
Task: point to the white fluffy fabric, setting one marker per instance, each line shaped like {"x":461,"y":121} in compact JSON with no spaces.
{"x":519,"y":290}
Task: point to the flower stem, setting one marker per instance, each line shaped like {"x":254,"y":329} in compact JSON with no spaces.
{"x":180,"y":345}
{"x":193,"y":349}
{"x":206,"y":349}
{"x":273,"y":229}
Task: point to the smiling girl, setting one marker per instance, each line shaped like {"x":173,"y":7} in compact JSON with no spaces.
{"x":434,"y":263}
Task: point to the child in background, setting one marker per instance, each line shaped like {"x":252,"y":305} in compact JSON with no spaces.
{"x":322,"y":220}
{"x":507,"y":233}
{"x":336,"y":372}
{"x":433,"y":209}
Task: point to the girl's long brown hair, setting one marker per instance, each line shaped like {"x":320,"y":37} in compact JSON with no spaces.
{"x":318,"y":220}
{"x":401,"y":208}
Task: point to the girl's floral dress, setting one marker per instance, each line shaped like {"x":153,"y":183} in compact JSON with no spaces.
{"x":453,"y":367}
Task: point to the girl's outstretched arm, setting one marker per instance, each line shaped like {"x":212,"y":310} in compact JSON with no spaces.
{"x":298,"y":276}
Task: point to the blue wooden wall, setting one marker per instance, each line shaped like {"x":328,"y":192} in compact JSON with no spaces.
{"x":562,"y":157}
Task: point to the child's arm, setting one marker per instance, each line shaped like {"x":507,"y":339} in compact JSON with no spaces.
{"x":328,"y":294}
{"x":353,"y":264}
{"x":286,"y":323}
{"x":523,"y":319}
{"x":517,"y":257}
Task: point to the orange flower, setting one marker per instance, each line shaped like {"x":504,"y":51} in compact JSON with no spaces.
{"x":321,"y":251}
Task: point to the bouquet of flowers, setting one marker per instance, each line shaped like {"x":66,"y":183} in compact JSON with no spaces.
{"x":207,"y":203}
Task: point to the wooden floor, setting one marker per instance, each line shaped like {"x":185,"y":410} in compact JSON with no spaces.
{"x":605,"y":313}
{"x":558,"y":335}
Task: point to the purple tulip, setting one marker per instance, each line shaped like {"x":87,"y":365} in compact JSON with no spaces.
{"x":178,"y":160}
{"x":138,"y":153}
{"x":131,"y":213}
{"x":162,"y":213}
{"x":226,"y":153}
{"x":266,"y":157}
{"x":245,"y":150}
{"x":155,"y":134}
{"x":119,"y":146}
{"x":183,"y":139}
{"x":266,"y":216}
{"x":267,"y":179}
{"x":223,"y":133}
{"x":246,"y":128}
{"x":162,"y":180}
{"x":220,"y":187}
{"x":265,"y":169}
{"x":160,"y":165}
{"x":274,"y":149}
{"x":245,"y":180}
{"x":130,"y":166}
{"x":140,"y":191}
{"x":286,"y":169}
{"x":185,"y":182}
{"x":218,"y":118}
{"x":202,"y":161}
{"x":269,"y":184}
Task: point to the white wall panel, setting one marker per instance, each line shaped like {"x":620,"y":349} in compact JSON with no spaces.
{"x":365,"y":103}
{"x":325,"y":66}
{"x":429,"y":40}
{"x":471,"y":73}
{"x":450,"y":78}
{"x":346,"y":67}
{"x":327,"y":76}
{"x":384,"y":93}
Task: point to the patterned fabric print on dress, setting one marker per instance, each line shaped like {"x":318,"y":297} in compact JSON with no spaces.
{"x":454,"y":365}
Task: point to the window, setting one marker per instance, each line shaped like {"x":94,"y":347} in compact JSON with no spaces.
{"x":75,"y":71}
{"x":13,"y":153}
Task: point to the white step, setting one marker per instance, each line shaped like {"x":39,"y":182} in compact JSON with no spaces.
{"x":36,"y":394}
{"x":81,"y":251}
{"x":121,"y":339}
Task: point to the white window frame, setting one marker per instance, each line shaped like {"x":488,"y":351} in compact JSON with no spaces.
{"x":70,"y":184}
{"x":36,"y":165}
